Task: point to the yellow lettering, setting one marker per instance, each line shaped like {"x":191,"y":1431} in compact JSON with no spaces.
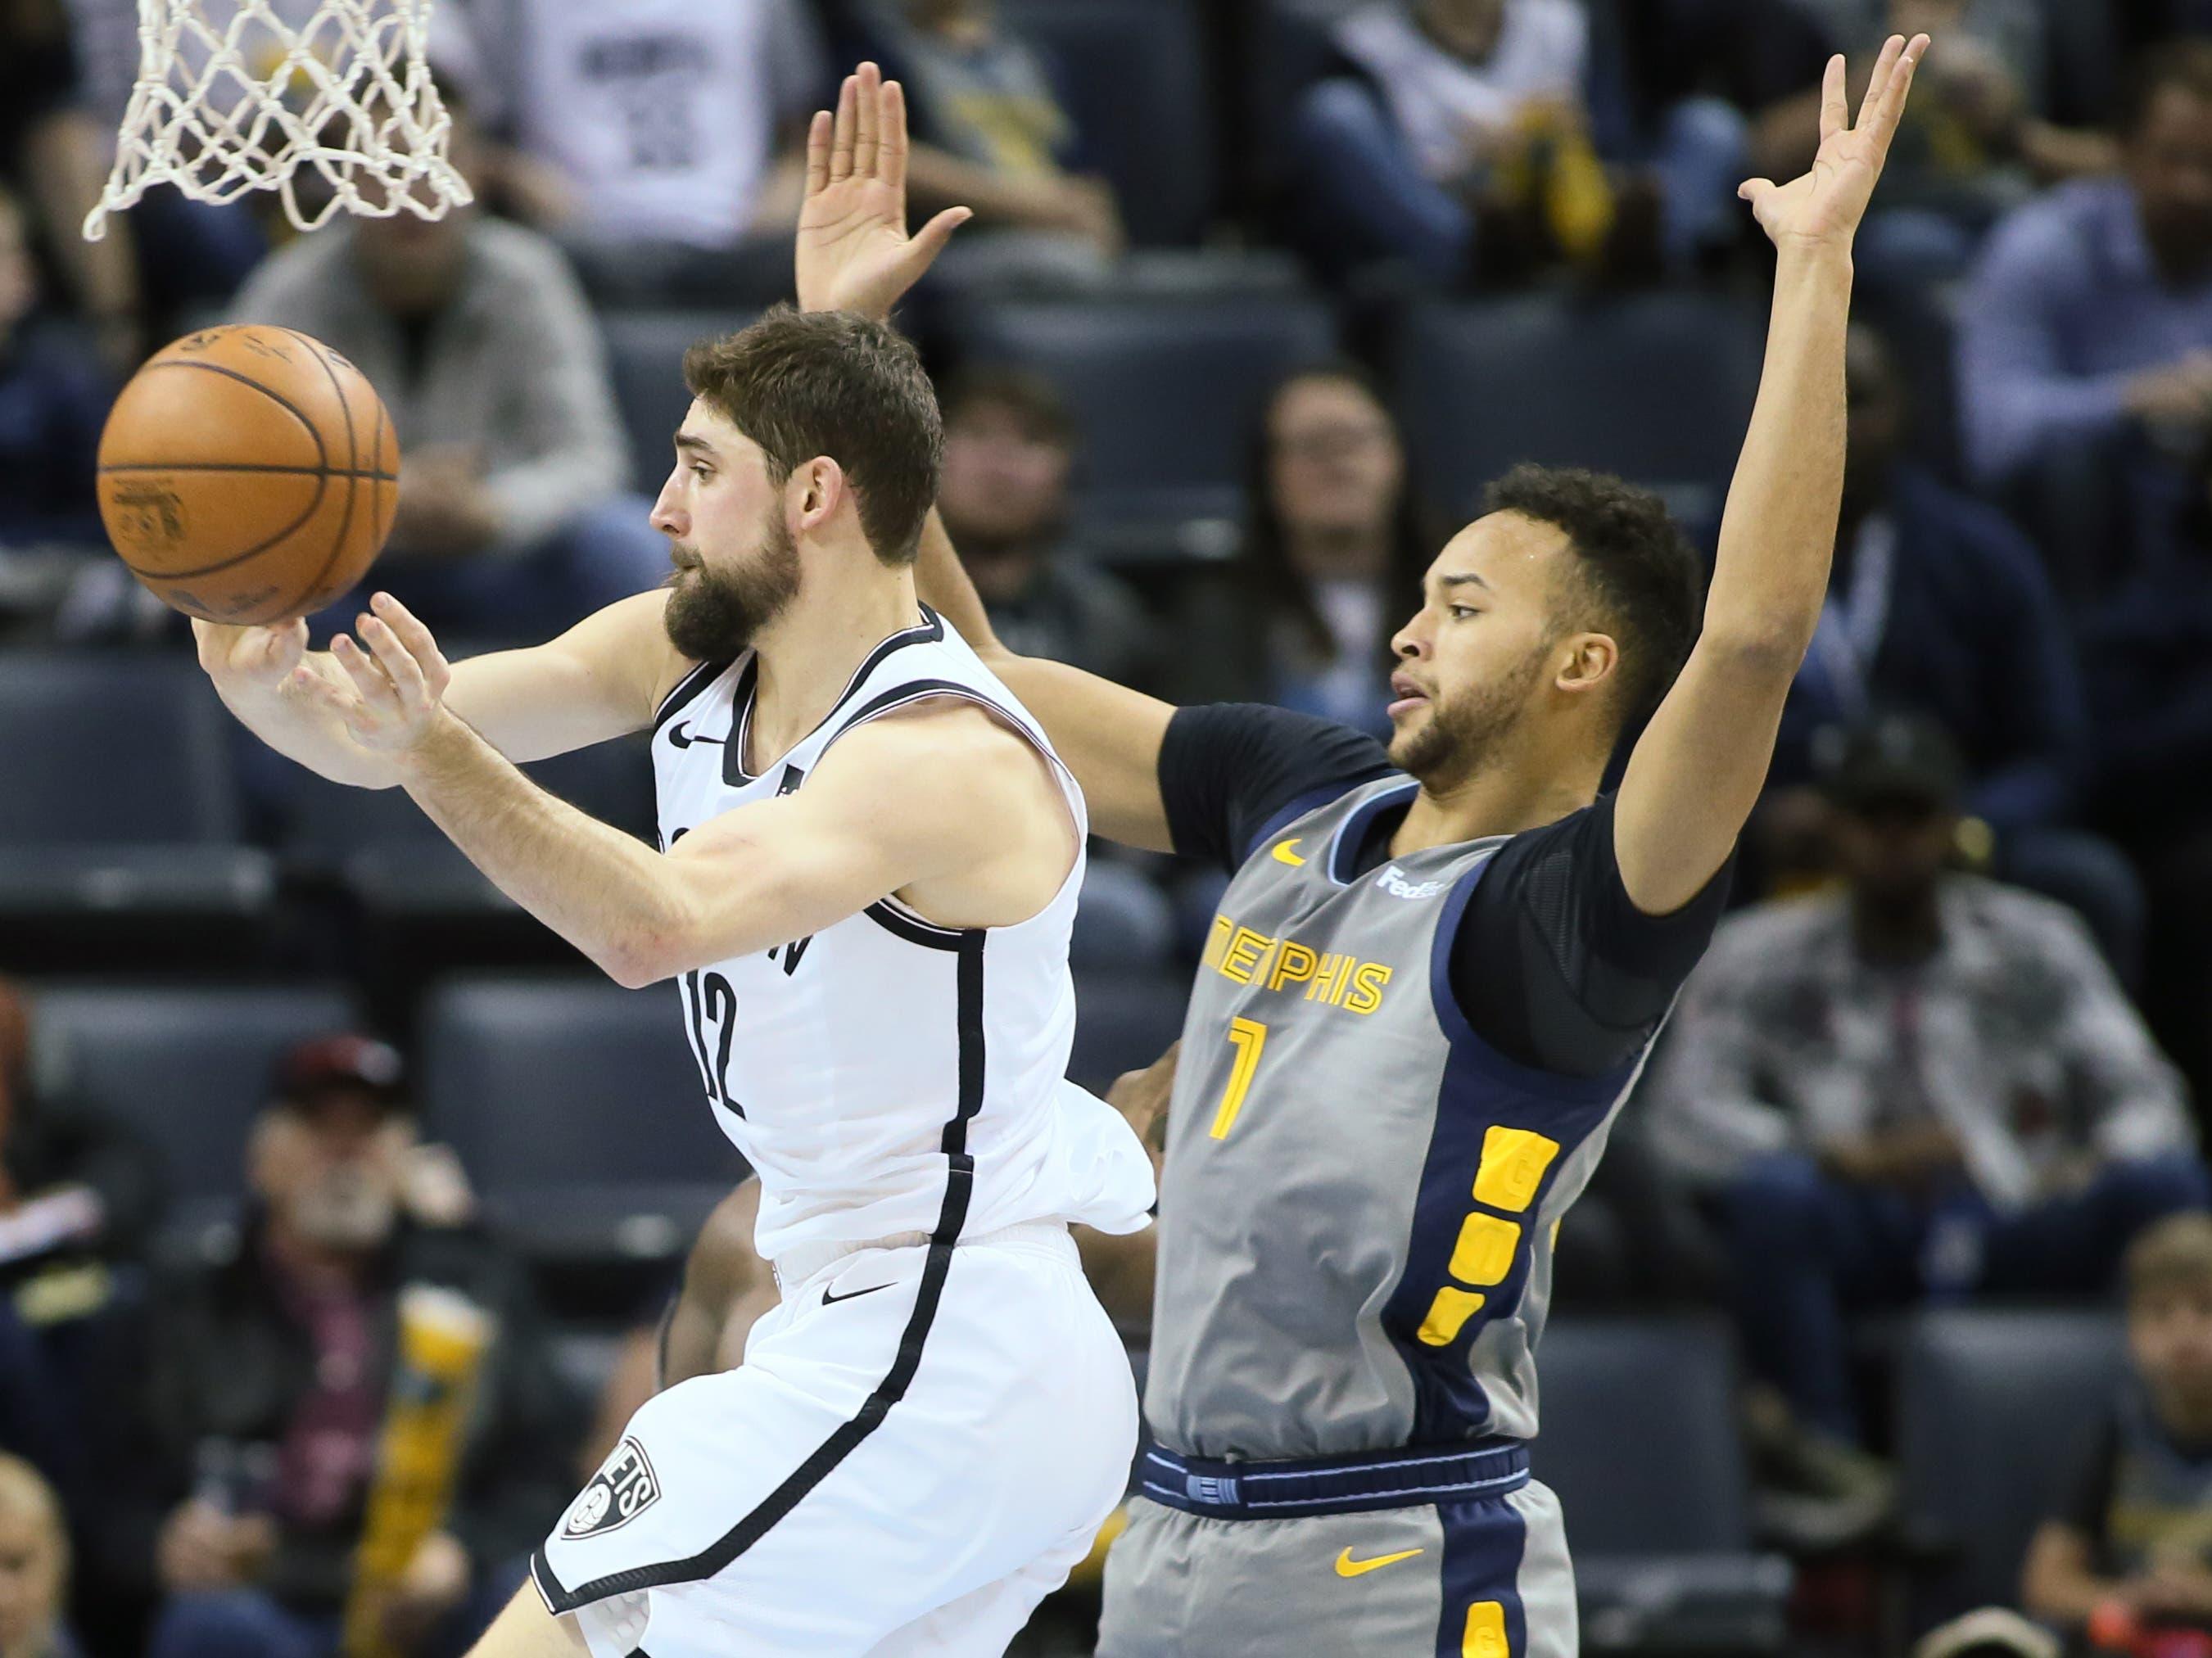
{"x":1217,"y":940}
{"x":1486,"y":1631}
{"x":1513,"y":1164}
{"x":1448,"y":1315}
{"x":1318,"y":990}
{"x":1267,"y":959}
{"x":1243,"y":951}
{"x":1367,"y":992}
{"x":1343,"y":980}
{"x":1293,"y":966}
{"x":1484,"y":1254}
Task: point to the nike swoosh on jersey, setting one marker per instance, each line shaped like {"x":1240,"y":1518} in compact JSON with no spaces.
{"x":828,"y":1299}
{"x":682,"y":736}
{"x":1284,"y":852}
{"x":1347,"y":1567}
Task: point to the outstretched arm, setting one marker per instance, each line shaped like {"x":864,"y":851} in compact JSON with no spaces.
{"x":854,"y":254}
{"x":876,"y":816}
{"x":1698,"y":770}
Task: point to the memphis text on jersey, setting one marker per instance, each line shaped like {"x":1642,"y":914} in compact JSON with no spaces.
{"x":1283,"y":964}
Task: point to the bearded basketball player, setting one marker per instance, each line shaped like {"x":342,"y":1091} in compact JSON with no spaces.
{"x":1434,"y":977}
{"x":870,"y":855}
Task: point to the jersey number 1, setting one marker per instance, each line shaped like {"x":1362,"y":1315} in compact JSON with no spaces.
{"x":1248,"y":1037}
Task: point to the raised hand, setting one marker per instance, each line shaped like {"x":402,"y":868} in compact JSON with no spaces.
{"x":1823,"y":206}
{"x":396,"y":676}
{"x":854,"y":252}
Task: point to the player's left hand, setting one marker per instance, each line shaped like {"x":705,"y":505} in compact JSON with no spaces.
{"x":399,"y":678}
{"x":1823,"y":206}
{"x":854,"y":252}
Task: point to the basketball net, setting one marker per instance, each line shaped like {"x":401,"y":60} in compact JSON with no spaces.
{"x":242,"y":99}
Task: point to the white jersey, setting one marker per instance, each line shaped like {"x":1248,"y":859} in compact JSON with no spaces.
{"x":889,"y":1076}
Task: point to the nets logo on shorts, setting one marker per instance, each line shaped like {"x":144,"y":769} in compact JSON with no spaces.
{"x":624,"y":1489}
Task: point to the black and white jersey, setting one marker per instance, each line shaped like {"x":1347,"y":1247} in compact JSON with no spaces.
{"x":889,"y":1075}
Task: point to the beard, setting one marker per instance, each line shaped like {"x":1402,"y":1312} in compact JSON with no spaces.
{"x":715,"y":615}
{"x":1464,"y":734}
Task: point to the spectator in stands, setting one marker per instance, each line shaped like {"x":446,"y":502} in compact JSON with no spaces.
{"x":2085,"y":350}
{"x":994,"y":133}
{"x":78,"y":1195}
{"x":669,"y":140}
{"x":53,"y":399}
{"x":1009,"y":449}
{"x":272,"y":1373}
{"x":34,"y":1556}
{"x":1457,"y":136}
{"x":1332,"y":554}
{"x":1925,"y":1084}
{"x":1938,"y":605}
{"x":2125,"y":1553}
{"x":512,"y":522}
{"x":56,"y":154}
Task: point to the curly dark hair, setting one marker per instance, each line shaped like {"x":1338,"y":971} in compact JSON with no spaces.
{"x":1640,"y":579}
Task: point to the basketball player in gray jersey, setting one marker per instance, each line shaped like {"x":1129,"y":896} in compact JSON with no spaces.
{"x":1434,"y":975}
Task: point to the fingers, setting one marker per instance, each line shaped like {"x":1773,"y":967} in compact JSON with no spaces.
{"x":369,"y":679}
{"x":1754,"y":191}
{"x":929,"y":241}
{"x":1900,"y":86}
{"x":891,"y":139}
{"x":868,"y":119}
{"x":817,"y":151}
{"x":841,"y":138}
{"x":306,"y":685}
{"x":398,"y":663}
{"x":1878,"y":82}
{"x":416,"y":638}
{"x":1835,"y":108}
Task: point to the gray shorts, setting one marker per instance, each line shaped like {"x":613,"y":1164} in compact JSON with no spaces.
{"x":1484,"y":1579}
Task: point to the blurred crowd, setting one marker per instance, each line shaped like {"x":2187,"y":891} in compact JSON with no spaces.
{"x":1951,"y":1051}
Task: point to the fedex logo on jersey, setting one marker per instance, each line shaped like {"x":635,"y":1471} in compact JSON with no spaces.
{"x":1399,"y":887}
{"x":622,"y":1489}
{"x":1335,"y":979}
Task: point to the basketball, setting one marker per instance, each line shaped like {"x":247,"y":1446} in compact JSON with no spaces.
{"x":248,"y":474}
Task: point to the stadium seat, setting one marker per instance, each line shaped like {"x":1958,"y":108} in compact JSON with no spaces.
{"x":577,"y":1110}
{"x":1992,"y":1408}
{"x":1164,"y":394}
{"x":189,"y":1069}
{"x":1135,"y":80}
{"x":1639,"y":1440}
{"x":645,"y":358}
{"x":1124,"y":1021}
{"x":120,"y":822}
{"x":1657,"y":387}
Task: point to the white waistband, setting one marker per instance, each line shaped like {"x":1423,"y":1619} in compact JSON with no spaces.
{"x":796,"y":1266}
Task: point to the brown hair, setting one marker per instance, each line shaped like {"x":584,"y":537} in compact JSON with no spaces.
{"x":2174,"y":1253}
{"x":1027,"y":396}
{"x":806,"y":383}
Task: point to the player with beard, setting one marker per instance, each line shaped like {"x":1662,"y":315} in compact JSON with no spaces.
{"x":1434,"y":975}
{"x":868,"y":865}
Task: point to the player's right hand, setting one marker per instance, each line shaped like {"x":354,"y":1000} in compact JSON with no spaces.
{"x":255,"y":658}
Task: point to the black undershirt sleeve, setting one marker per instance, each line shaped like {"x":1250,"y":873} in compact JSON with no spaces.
{"x":1229,"y":769}
{"x":1554,"y":964}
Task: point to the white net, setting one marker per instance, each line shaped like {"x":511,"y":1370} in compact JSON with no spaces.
{"x":330,"y":103}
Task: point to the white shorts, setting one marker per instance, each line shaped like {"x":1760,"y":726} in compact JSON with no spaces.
{"x":919,"y":1445}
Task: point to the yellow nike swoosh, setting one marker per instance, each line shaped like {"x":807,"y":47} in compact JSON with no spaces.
{"x":1347,"y":1567}
{"x":1285,"y":855}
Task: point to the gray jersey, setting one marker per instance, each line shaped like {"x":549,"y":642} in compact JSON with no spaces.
{"x":1361,"y":1195}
